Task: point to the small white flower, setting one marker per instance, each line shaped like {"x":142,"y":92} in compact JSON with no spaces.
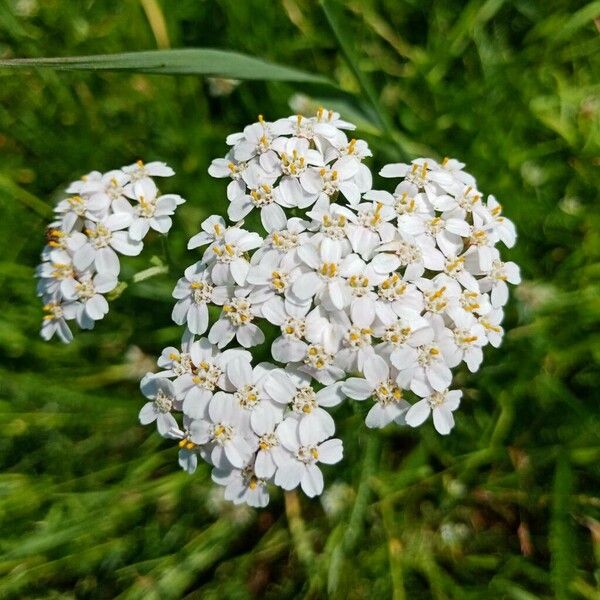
{"x":422,"y":366}
{"x":229,"y":167}
{"x":201,"y":373}
{"x":75,"y":209}
{"x":355,"y":338}
{"x":257,"y":141}
{"x":150,"y":212}
{"x":104,"y":240}
{"x":252,"y":394}
{"x":283,"y":243}
{"x":226,"y":432}
{"x":175,"y":362}
{"x":408,"y":331}
{"x":108,"y":188}
{"x":213,"y":230}
{"x":378,"y":383}
{"x":441,"y":404}
{"x":423,"y":173}
{"x":412,"y":255}
{"x":141,"y":172}
{"x":464,"y":341}
{"x":55,"y":319}
{"x":262,"y":196}
{"x":194,"y":291}
{"x":439,"y":294}
{"x":270,"y":453}
{"x":293,"y":388}
{"x":321,"y":348}
{"x":503,"y":227}
{"x":491,"y":323}
{"x":295,"y":157}
{"x":54,"y":273}
{"x":82,"y":185}
{"x":236,"y":321}
{"x":455,"y":168}
{"x":88,"y":290}
{"x":242,"y":486}
{"x":482,"y":238}
{"x":326,"y":181}
{"x":299,"y":466}
{"x":188,"y":451}
{"x":411,"y":206}
{"x":328,"y":270}
{"x":496,"y":279}
{"x":319,"y":131}
{"x":227,"y":258}
{"x":293,"y":321}
{"x":395,"y":297}
{"x":163,"y":399}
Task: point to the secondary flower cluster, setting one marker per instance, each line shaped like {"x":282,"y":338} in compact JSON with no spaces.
{"x":104,"y":215}
{"x":376,"y":295}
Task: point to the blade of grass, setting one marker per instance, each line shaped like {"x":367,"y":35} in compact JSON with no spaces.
{"x":9,"y":189}
{"x":335,"y":20}
{"x":562,"y":564}
{"x":181,"y":61}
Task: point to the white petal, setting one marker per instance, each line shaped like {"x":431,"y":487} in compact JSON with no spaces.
{"x":197,"y":318}
{"x":376,"y":371}
{"x":443,"y":419}
{"x":331,"y":451}
{"x":139,"y":229}
{"x":289,"y":477}
{"x":107,"y":262}
{"x":439,"y":376}
{"x":118,"y":221}
{"x":332,"y":395}
{"x":417,"y":413}
{"x":147,"y":414}
{"x":357,"y":388}
{"x":273,"y":218}
{"x":377,"y":418}
{"x":307,"y":285}
{"x":96,"y":307}
{"x":279,"y":386}
{"x":122,"y":243}
{"x":288,"y":350}
{"x":239,"y":372}
{"x":312,"y":481}
{"x":239,"y":270}
{"x":250,"y":335}
{"x":221,"y":333}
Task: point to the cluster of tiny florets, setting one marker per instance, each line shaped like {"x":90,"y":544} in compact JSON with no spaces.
{"x":377,"y":295}
{"x":103,"y":215}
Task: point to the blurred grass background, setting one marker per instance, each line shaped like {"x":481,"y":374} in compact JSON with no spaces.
{"x":94,"y":506}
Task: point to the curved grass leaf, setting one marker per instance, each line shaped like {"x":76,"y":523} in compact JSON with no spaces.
{"x":183,"y":61}
{"x":561,"y":540}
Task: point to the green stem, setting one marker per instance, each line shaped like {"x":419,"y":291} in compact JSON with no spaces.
{"x":298,"y":531}
{"x":363,"y":495}
{"x":335,"y":22}
{"x":166,"y":254}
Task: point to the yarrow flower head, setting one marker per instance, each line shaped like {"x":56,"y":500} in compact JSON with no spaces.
{"x":102,"y":217}
{"x":377,"y":295}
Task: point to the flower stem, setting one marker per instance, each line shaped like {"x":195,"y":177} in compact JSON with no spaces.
{"x":363,"y":495}
{"x":166,"y":254}
{"x":298,"y":530}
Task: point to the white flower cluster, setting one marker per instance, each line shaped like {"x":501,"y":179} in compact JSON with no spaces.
{"x":376,"y":295}
{"x":105,"y":214}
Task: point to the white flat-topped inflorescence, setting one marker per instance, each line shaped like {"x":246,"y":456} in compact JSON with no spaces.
{"x":103,"y":216}
{"x":378,"y":295}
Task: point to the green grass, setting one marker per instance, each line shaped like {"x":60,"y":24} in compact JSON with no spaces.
{"x":94,"y":506}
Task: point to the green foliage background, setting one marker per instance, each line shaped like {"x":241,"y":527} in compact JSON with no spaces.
{"x":94,"y":506}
